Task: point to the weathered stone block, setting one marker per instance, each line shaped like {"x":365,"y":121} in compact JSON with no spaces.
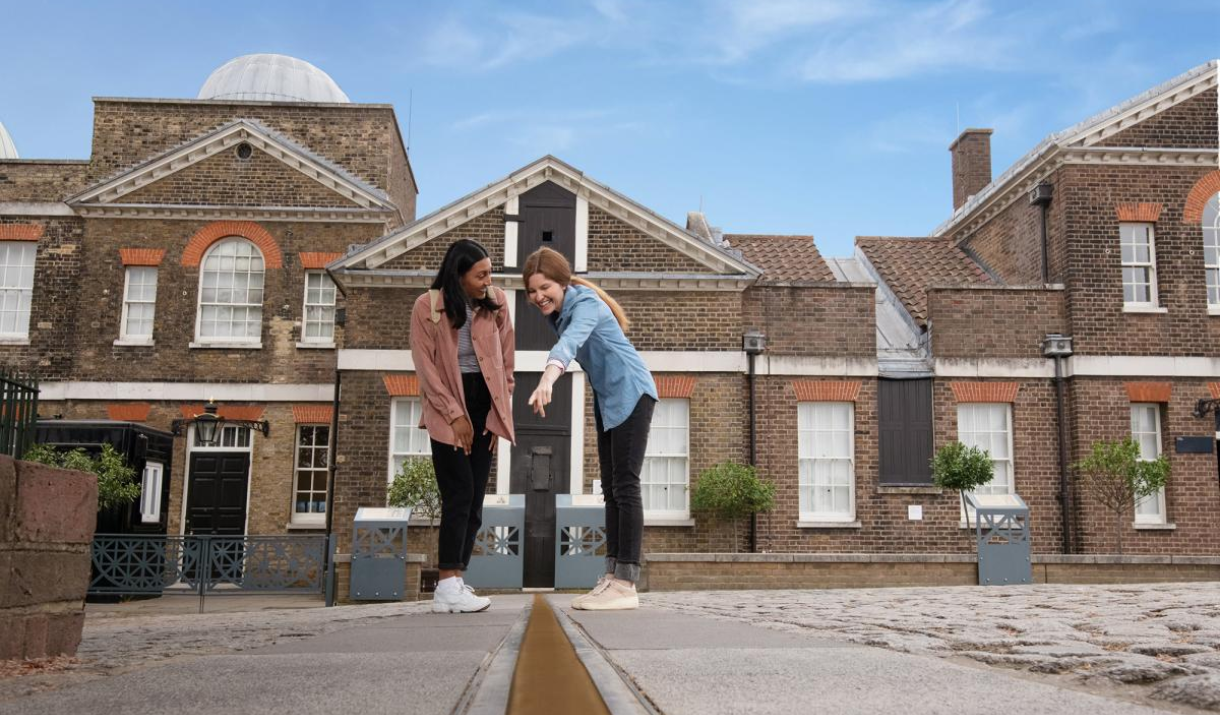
{"x":55,"y":505}
{"x":43,"y":577}
{"x":8,"y":497}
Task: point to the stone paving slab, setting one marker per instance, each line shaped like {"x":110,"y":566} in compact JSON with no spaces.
{"x":1090,"y":636}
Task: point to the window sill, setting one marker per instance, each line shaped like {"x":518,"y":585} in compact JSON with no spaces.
{"x":908,"y":489}
{"x":14,"y":341}
{"x":828,"y":525}
{"x":667,"y":521}
{"x":1154,"y":527}
{"x":306,"y":526}
{"x":1147,"y":309}
{"x":315,"y":346}
{"x":128,"y":343}
{"x":226,"y":346}
{"x":1213,"y":310}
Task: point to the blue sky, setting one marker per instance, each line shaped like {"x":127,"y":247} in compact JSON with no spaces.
{"x":830,"y":117}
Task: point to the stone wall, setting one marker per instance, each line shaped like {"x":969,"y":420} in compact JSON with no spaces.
{"x":47,"y":517}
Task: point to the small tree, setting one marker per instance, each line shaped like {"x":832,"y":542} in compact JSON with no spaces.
{"x":732,"y":491}
{"x":116,"y":482}
{"x":961,"y":468}
{"x":1115,"y":475}
{"x":415,"y":486}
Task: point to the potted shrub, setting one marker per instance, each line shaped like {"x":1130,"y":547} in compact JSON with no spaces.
{"x":962,"y":469}
{"x":116,"y":482}
{"x":732,"y":491}
{"x":415,"y":486}
{"x":1114,"y":475}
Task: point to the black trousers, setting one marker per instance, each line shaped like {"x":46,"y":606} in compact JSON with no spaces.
{"x":620,"y":454}
{"x":462,"y":479}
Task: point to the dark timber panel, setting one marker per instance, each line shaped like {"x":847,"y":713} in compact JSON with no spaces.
{"x":216,"y":502}
{"x":540,"y":470}
{"x":904,"y":417}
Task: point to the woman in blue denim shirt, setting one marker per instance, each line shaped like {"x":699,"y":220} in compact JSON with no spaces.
{"x":590,"y":325}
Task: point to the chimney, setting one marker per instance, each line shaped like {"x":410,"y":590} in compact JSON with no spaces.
{"x":971,"y":164}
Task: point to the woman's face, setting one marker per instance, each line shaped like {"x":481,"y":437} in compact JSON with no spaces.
{"x":545,"y":294}
{"x":477,"y":280}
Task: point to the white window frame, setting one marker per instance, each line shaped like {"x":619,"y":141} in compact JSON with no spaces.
{"x":254,"y":341}
{"x":309,"y":518}
{"x":1158,"y":499}
{"x":419,"y":433}
{"x":1011,"y":486}
{"x":21,"y":291}
{"x":1211,"y":247}
{"x":656,"y":456}
{"x":124,"y":337}
{"x":808,"y":453}
{"x":1153,"y":302}
{"x":150,"y":492}
{"x":323,"y":340}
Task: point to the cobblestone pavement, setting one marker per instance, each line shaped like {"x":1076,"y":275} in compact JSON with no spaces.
{"x":1162,"y":640}
{"x":116,"y":642}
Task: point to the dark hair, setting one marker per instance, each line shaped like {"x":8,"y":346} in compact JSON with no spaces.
{"x":462,"y":255}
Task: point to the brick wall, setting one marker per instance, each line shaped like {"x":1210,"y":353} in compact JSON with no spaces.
{"x":51,"y":352}
{"x":682,"y":321}
{"x":41,"y":180}
{"x":1010,"y":244}
{"x":227,"y":180}
{"x":379,"y":318}
{"x":487,"y":229}
{"x":361,"y":138}
{"x":971,"y":154}
{"x":1095,"y":292}
{"x":1190,"y":124}
{"x":816,"y":320}
{"x":993,"y":322}
{"x":616,"y":246}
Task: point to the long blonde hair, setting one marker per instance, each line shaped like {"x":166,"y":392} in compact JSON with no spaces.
{"x":553,"y":265}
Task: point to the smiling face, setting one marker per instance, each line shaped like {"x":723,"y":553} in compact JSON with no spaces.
{"x":477,"y":280}
{"x":545,"y":294}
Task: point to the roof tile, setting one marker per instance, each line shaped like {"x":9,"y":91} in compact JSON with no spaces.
{"x":782,"y":258}
{"x":910,"y":265}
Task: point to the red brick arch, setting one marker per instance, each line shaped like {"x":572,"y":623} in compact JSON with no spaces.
{"x":213,"y":232}
{"x":1203,"y":190}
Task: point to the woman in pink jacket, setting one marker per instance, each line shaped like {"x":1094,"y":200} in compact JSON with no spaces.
{"x":462,"y":345}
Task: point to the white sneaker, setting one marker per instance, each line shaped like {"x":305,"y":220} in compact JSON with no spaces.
{"x":602,"y":581}
{"x":452,"y":595}
{"x":616,"y":595}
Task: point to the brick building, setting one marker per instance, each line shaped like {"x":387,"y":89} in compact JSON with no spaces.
{"x":207,"y":246}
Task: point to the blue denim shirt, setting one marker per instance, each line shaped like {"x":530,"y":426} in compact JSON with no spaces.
{"x":589,"y":333}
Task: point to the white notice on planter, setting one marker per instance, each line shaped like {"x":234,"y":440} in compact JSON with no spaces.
{"x":915,"y":512}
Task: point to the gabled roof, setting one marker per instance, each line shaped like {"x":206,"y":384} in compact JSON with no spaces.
{"x":1094,"y":130}
{"x":782,"y":258}
{"x":911,"y":265}
{"x":548,"y":168}
{"x":318,"y":168}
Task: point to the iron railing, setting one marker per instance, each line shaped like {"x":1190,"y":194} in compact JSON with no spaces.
{"x":203,"y":565}
{"x":18,"y":413}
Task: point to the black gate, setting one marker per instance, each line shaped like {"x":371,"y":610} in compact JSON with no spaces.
{"x":18,"y":413}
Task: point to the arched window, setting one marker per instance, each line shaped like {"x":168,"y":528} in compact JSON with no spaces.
{"x":231,"y":293}
{"x":1211,"y":252}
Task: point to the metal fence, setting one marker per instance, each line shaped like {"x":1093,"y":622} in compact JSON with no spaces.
{"x":202,"y":565}
{"x":18,"y":413}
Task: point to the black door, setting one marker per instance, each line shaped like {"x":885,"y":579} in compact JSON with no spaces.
{"x":216,"y":495}
{"x":904,"y":421}
{"x":540,"y":470}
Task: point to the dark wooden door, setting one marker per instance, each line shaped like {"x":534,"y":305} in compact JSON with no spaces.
{"x":540,"y":470}
{"x":216,"y":496}
{"x":548,"y":218}
{"x":904,"y":421}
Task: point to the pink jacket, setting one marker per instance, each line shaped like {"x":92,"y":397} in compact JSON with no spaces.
{"x":434,"y":349}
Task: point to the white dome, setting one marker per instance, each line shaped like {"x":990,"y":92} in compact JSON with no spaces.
{"x":8,"y":150}
{"x":271,"y":78}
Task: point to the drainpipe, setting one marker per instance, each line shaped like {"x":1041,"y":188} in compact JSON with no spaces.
{"x":328,"y":566}
{"x":1059,"y":347}
{"x":754,"y":343}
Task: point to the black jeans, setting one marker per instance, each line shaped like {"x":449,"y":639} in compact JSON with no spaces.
{"x":462,"y":479}
{"x":620,"y":454}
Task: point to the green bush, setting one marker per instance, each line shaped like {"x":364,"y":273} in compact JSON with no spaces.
{"x":116,"y":482}
{"x":962,"y":469}
{"x":1114,"y":475}
{"x":415,"y":486}
{"x":732,"y":491}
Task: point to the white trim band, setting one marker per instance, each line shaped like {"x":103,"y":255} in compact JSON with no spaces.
{"x":175,"y":391}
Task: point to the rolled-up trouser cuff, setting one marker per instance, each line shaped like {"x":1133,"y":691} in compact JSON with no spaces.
{"x":627,"y":572}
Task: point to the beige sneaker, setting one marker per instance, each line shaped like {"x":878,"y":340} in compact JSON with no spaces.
{"x":602,"y":581}
{"x":616,"y":595}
